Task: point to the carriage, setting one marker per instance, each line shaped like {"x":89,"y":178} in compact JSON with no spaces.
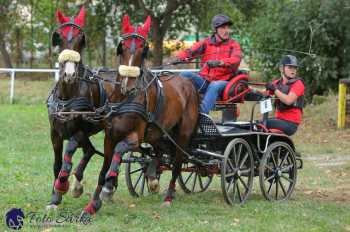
{"x":236,"y":151}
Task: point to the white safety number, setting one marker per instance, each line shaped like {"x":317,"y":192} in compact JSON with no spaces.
{"x":265,"y":106}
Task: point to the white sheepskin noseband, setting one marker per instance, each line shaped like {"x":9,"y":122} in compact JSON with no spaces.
{"x":129,"y":71}
{"x":68,"y":55}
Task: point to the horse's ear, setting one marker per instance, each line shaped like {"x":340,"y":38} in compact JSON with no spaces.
{"x":126,"y":27}
{"x":61,"y":18}
{"x":80,"y":19}
{"x":147,"y":25}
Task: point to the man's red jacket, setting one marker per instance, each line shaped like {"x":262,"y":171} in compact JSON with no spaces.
{"x":213,"y":48}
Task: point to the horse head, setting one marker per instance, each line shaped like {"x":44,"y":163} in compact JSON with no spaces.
{"x":71,"y":39}
{"x":132,"y":50}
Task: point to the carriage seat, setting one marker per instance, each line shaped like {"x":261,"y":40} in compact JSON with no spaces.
{"x":208,"y":127}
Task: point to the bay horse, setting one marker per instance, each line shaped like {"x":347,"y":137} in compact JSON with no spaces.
{"x":143,"y":107}
{"x":76,"y":90}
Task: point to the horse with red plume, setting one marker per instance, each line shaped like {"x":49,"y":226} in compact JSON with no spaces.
{"x":143,"y":108}
{"x":76,"y":90}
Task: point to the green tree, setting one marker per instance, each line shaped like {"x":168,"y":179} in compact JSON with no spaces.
{"x":167,"y":16}
{"x":8,"y":15}
{"x":315,"y":26}
{"x":233,"y":9}
{"x":101,"y":29}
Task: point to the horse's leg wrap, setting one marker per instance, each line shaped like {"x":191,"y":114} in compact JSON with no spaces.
{"x":56,"y":198}
{"x":113,"y":172}
{"x":121,"y":148}
{"x":95,"y":203}
{"x":79,"y":171}
{"x":170,"y":194}
{"x":80,"y":168}
{"x":62,"y":184}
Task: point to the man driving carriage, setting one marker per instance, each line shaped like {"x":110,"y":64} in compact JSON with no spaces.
{"x":289,"y":90}
{"x":220,"y":58}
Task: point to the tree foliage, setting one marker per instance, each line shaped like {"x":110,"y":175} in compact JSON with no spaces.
{"x":8,"y":18}
{"x":168,"y":18}
{"x":266,"y":29}
{"x":316,"y":26}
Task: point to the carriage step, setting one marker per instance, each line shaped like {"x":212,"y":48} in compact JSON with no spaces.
{"x":298,"y":160}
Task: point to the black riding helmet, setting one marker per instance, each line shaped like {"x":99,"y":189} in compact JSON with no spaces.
{"x":220,"y":20}
{"x":289,"y":60}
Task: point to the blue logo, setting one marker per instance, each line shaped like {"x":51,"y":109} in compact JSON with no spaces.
{"x":14,"y":218}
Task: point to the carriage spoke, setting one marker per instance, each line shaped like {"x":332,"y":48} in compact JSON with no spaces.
{"x":284,"y":159}
{"x":189,"y":176}
{"x":243,"y":183}
{"x":234,"y":156}
{"x":286,"y":178}
{"x":270,"y":177}
{"x":229,"y":184}
{"x":138,"y":180}
{"x":239,"y":153}
{"x":273,"y":159}
{"x":230,"y":164}
{"x":230,"y":174}
{"x":142,"y":185}
{"x":136,"y":170}
{"x":287,"y":168}
{"x":243,"y":161}
{"x":276,"y":189}
{"x":278,"y":154}
{"x":239,"y":193}
{"x":234,"y":190}
{"x":200,"y":182}
{"x":245,"y":171}
{"x":194,"y":182}
{"x":271,"y":183}
{"x":282,"y":187}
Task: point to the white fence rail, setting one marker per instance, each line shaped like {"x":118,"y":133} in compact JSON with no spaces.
{"x":13,"y":71}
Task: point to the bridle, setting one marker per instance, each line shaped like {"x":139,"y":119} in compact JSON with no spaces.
{"x":132,"y":49}
{"x":83,"y":74}
{"x":56,"y":34}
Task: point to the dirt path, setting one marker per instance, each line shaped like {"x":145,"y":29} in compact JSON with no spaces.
{"x":328,"y":160}
{"x":337,"y":168}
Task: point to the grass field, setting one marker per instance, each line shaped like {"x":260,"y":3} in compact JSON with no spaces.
{"x":321,"y":201}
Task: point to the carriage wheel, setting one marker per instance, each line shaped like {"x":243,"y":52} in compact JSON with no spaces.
{"x":136,"y":181}
{"x":194,"y":182}
{"x":237,"y":171}
{"x":278,"y":172}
